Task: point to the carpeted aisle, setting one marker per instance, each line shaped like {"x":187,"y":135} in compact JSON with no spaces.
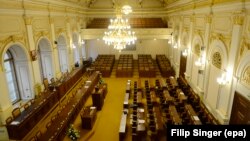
{"x":107,"y":124}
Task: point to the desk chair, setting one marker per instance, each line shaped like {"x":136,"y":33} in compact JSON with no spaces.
{"x":26,"y":106}
{"x":46,"y":84}
{"x":16,"y":112}
{"x":33,"y":139}
{"x":38,"y":134}
{"x":9,"y":120}
{"x":48,"y":124}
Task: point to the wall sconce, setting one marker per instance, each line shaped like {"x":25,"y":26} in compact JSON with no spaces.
{"x":185,"y":52}
{"x":199,"y":62}
{"x":33,"y":55}
{"x":82,"y":42}
{"x":73,"y":46}
{"x":175,"y":45}
{"x":222,"y":80}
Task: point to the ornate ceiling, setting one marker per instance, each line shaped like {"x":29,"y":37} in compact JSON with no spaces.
{"x":103,"y":4}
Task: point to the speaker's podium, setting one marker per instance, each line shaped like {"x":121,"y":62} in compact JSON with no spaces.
{"x":98,"y":98}
{"x":88,"y":117}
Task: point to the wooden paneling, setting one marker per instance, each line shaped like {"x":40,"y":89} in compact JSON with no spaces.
{"x":241,"y":110}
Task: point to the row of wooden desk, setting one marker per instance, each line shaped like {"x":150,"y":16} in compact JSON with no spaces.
{"x":67,"y":83}
{"x":24,"y":123}
{"x":21,"y":125}
{"x":59,"y":128}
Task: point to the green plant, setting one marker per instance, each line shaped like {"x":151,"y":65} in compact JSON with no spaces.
{"x":72,"y":133}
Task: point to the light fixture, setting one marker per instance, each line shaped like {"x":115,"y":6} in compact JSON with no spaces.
{"x":201,"y":60}
{"x":73,"y":46}
{"x":83,"y":42}
{"x":185,"y":52}
{"x":119,"y":34}
{"x":222,"y":80}
{"x":126,"y":9}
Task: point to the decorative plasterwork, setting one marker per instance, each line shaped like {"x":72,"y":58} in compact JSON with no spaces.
{"x":246,"y":76}
{"x":28,"y":20}
{"x":13,"y":38}
{"x":208,"y":19}
{"x":60,"y":31}
{"x":238,"y":19}
{"x":51,"y":20}
{"x":38,"y":35}
{"x":224,"y":39}
{"x":216,"y":60}
{"x":244,"y":46}
{"x":197,"y":49}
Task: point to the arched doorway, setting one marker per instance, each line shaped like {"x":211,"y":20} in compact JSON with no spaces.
{"x":62,"y":53}
{"x":17,"y":74}
{"x":45,"y":54}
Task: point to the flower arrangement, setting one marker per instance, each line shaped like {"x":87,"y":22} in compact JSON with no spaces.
{"x":72,"y":133}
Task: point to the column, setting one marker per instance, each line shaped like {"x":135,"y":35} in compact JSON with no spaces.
{"x":5,"y":102}
{"x":69,"y":46}
{"x":80,"y":40}
{"x":57,"y":71}
{"x":189,"y":56}
{"x":205,"y":76}
{"x":179,"y":47}
{"x":238,"y":20}
{"x":34,"y":63}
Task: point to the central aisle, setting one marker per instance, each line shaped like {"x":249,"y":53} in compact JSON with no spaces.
{"x":106,"y":127}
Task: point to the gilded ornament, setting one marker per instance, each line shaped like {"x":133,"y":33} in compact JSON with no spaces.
{"x":238,"y":19}
{"x":216,"y":60}
{"x":28,"y":20}
{"x":246,"y":76}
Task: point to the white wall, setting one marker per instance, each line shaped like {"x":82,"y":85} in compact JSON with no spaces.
{"x":153,"y":47}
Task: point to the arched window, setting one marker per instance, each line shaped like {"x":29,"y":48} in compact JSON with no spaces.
{"x":9,"y":66}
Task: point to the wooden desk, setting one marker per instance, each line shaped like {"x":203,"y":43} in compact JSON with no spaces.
{"x":181,"y":96}
{"x":174,"y":115}
{"x":159,"y":123}
{"x":66,"y":84}
{"x":173,"y":82}
{"x":123,"y":126}
{"x":153,"y":97}
{"x":167,"y":96}
{"x":194,"y":117}
{"x":88,"y":117}
{"x":98,"y":98}
{"x":22,"y":125}
{"x":126,"y":100}
{"x":59,"y":127}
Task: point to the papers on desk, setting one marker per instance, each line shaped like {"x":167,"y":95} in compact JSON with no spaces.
{"x":196,"y":118}
{"x":141,"y":121}
{"x":141,"y":110}
{"x":15,"y":122}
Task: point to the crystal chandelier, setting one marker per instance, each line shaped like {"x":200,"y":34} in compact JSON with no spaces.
{"x":119,"y":34}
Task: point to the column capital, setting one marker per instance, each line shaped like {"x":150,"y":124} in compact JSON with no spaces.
{"x":192,"y":18}
{"x":238,"y":17}
{"x":208,"y":19}
{"x":28,"y":20}
{"x":51,"y":20}
{"x":67,"y":19}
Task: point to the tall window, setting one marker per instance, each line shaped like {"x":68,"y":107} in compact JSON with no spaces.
{"x":11,"y":77}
